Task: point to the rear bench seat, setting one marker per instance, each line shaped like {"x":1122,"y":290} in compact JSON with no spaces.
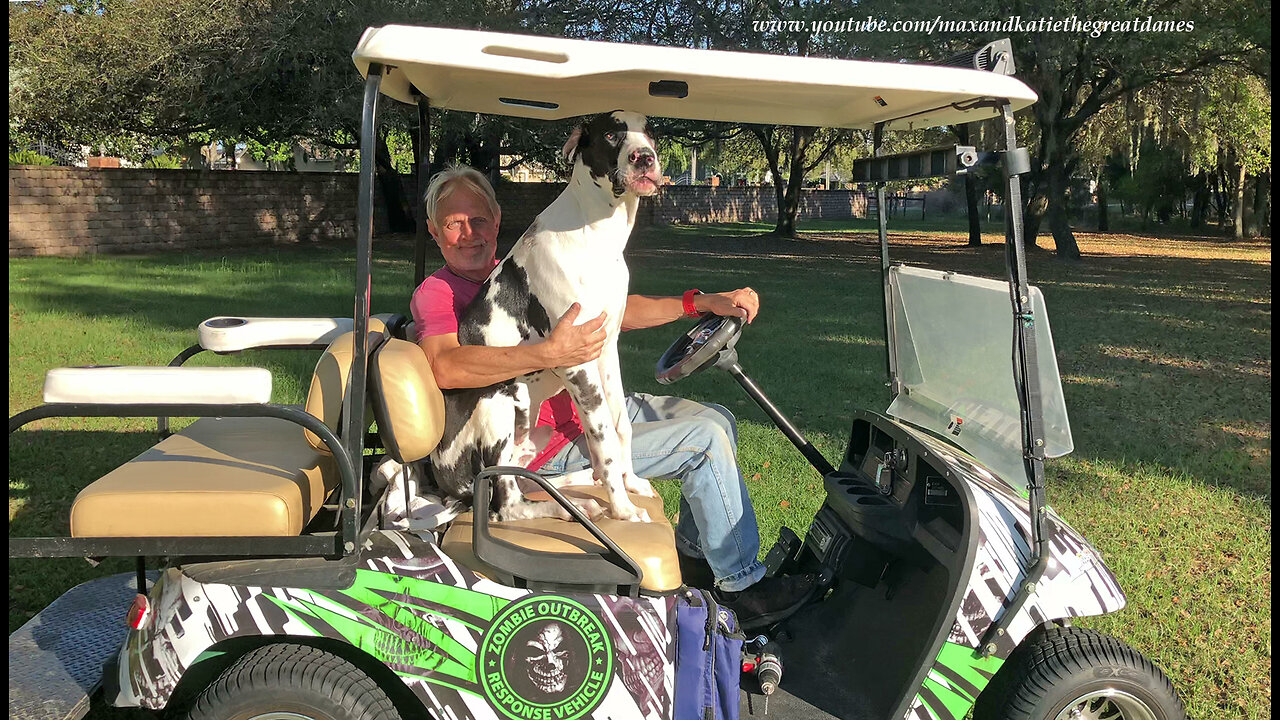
{"x":226,"y":476}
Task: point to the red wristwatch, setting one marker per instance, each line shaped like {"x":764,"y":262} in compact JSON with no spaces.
{"x":689,"y":310}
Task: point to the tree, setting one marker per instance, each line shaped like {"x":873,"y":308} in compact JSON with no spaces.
{"x":1234,"y":138}
{"x":240,"y":69}
{"x":1078,"y":74}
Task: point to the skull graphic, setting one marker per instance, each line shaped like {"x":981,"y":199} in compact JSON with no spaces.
{"x":546,"y":660}
{"x":641,"y":670}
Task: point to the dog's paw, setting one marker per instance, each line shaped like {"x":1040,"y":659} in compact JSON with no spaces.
{"x":639,"y":486}
{"x":594,"y":509}
{"x":630,"y":513}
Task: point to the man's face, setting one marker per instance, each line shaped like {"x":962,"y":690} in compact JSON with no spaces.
{"x":467,"y":232}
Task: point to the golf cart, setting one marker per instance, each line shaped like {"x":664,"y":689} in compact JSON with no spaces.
{"x":267,"y":587}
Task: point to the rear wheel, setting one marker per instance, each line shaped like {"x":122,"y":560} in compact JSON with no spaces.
{"x":293,"y":682}
{"x":1077,"y":674}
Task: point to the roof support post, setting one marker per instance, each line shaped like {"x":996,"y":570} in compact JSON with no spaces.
{"x":353,"y":405}
{"x":424,"y":175}
{"x":891,"y":364}
{"x":1026,"y":378}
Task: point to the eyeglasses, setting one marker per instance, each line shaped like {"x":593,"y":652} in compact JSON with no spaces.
{"x":478,"y":224}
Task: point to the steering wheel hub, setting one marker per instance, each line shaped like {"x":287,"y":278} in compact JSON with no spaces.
{"x":710,"y":342}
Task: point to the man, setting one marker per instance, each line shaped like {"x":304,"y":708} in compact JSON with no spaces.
{"x":671,"y":437}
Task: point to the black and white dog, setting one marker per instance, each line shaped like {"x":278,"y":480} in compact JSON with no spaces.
{"x":571,"y":253}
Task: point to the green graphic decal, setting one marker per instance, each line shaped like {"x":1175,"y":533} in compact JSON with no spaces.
{"x":545,"y":658}
{"x":391,"y":618}
{"x":958,"y":675}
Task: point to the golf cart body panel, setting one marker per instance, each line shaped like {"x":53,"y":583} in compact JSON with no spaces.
{"x":556,"y":78}
{"x":930,"y":552}
{"x":465,"y":646}
{"x":950,"y":339}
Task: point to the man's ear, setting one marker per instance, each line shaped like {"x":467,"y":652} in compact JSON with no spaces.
{"x":570,"y":149}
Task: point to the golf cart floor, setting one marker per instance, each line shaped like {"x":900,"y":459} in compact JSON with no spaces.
{"x":850,"y":655}
{"x":55,"y":659}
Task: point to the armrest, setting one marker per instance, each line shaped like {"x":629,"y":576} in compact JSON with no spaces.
{"x":611,"y":567}
{"x":158,"y":385}
{"x":232,"y":334}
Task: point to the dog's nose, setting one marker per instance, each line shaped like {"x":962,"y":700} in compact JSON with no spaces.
{"x":642,"y":158}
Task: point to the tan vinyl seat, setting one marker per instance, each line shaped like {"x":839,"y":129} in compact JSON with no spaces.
{"x":410,"y":412}
{"x":651,"y":544}
{"x":240,"y":477}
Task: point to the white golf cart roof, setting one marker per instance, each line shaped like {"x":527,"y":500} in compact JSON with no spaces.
{"x":556,"y":78}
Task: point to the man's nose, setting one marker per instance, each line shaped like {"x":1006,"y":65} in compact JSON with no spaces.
{"x":642,"y":158}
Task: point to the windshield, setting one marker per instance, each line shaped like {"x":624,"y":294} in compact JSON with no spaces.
{"x":952,"y":339}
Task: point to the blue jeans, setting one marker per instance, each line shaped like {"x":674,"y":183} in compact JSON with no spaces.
{"x":697,"y":444}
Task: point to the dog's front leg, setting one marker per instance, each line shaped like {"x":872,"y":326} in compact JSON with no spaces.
{"x":587,"y":389}
{"x":616,"y":399}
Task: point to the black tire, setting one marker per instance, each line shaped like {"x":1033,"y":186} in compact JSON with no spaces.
{"x":296,"y":679}
{"x":1061,"y":668}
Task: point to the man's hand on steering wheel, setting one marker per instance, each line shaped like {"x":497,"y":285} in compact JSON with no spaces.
{"x":743,"y":303}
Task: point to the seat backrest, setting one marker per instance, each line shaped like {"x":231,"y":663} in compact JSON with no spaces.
{"x":329,"y":381}
{"x":407,"y":402}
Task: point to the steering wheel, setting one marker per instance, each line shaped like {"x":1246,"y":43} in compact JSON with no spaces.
{"x":699,"y":348}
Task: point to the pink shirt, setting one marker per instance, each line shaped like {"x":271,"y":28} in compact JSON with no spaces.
{"x":436,"y":306}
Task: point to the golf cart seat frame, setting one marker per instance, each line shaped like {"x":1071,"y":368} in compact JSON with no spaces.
{"x":254,"y":485}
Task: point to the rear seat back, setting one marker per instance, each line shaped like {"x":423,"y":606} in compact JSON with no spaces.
{"x":406,"y":401}
{"x":329,"y":380}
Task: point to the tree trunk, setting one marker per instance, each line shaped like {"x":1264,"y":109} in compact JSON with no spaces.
{"x":1252,"y":220}
{"x":1059,"y":222}
{"x":971,"y":210}
{"x":1237,"y":204}
{"x":1037,"y":206}
{"x":393,"y":199}
{"x":970,"y":194}
{"x":789,"y":205}
{"x":1262,"y":204}
{"x":1104,"y":224}
{"x":1199,"y":199}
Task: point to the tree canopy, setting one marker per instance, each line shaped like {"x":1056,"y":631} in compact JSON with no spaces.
{"x":1171,"y":112}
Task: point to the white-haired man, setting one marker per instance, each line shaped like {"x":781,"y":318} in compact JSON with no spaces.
{"x":671,"y":437}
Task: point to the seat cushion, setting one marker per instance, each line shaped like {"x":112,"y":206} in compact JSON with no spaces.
{"x":651,"y":544}
{"x":219,"y":477}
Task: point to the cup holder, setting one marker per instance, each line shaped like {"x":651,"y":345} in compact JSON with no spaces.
{"x":872,"y":500}
{"x":221,"y":323}
{"x":861,"y":490}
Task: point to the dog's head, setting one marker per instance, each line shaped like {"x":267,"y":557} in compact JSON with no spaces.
{"x":618,"y":150}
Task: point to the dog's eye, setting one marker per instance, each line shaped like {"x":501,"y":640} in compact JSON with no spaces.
{"x":611,"y":137}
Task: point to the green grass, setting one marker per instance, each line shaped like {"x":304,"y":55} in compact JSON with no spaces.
{"x":1164,"y":345}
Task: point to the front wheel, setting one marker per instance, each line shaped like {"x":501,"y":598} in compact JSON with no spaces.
{"x":293,"y":682}
{"x":1073,"y":673}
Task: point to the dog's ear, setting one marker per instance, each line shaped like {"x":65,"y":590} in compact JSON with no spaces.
{"x":570,"y":148}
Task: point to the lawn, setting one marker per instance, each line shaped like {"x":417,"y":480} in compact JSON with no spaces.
{"x":1163,"y":343}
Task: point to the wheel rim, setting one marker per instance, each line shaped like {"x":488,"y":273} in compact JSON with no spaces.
{"x":281,"y":715}
{"x":1109,"y":704}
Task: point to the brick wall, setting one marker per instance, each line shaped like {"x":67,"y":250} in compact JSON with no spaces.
{"x":74,"y":211}
{"x":700,"y":204}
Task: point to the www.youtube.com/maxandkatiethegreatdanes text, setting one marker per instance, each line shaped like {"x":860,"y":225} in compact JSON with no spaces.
{"x":1013,"y":24}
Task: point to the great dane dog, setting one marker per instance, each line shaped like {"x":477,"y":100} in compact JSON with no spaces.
{"x":571,"y":253}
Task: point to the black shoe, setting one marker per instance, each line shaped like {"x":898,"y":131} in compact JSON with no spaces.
{"x":769,"y":601}
{"x":696,"y":572}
